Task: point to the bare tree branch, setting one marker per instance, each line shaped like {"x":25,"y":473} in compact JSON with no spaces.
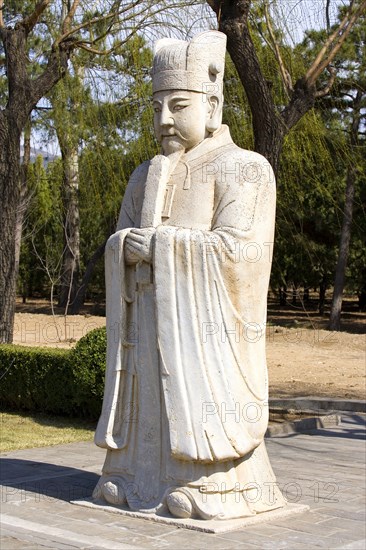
{"x":285,"y":75}
{"x":144,"y":15}
{"x":327,"y":15}
{"x":29,"y":22}
{"x":324,"y":91}
{"x":54,"y":71}
{"x":95,"y":51}
{"x":113,"y":14}
{"x":333,"y":44}
{"x":78,"y":28}
{"x":1,"y":14}
{"x":68,"y":19}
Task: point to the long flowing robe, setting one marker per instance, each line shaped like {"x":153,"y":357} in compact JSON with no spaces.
{"x":186,"y":398}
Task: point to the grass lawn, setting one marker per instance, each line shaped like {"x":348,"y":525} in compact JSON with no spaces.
{"x":24,"y":431}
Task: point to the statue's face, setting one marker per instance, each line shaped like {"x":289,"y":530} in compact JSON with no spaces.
{"x":180,"y":119}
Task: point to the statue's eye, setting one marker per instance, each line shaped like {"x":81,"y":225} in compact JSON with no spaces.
{"x":179,"y":107}
{"x":157,"y":110}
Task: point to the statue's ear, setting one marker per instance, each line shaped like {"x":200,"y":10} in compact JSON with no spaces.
{"x":214,"y":113}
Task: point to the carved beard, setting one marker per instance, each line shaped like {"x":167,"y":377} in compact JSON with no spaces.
{"x":172,"y":144}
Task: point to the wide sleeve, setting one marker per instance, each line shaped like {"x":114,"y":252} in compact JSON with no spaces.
{"x":111,"y":431}
{"x":211,"y":290}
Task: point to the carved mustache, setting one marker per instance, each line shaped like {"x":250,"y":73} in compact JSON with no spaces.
{"x":173,"y":134}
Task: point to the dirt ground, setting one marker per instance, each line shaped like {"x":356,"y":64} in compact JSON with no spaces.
{"x":303,"y":358}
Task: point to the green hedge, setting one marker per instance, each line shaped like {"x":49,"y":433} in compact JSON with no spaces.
{"x":87,"y":360}
{"x":68,"y":382}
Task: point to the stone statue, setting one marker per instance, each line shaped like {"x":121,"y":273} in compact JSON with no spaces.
{"x":185,"y":407}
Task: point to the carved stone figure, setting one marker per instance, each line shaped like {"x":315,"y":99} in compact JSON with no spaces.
{"x":185,"y":407}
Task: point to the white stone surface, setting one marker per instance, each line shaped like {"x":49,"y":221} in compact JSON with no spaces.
{"x":210,"y":526}
{"x":186,"y":399}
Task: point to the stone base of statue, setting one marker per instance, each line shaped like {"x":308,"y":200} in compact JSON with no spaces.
{"x":219,"y":491}
{"x":206,"y":526}
{"x":208,"y":504}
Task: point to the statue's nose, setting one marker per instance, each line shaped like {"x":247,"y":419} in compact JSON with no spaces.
{"x":166,"y":118}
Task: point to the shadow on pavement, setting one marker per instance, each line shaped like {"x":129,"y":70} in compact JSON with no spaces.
{"x":44,"y":480}
{"x":357,"y":431}
{"x":351,"y":427}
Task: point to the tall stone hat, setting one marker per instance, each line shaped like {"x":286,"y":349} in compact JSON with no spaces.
{"x":197,"y":66}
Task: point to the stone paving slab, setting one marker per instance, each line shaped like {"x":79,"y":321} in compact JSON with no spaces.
{"x":324,"y":469}
{"x":56,"y":536}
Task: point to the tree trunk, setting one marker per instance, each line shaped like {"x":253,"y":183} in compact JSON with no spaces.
{"x":283,"y":295}
{"x":268,"y":128}
{"x":71,"y":256}
{"x":80,"y":295}
{"x":9,"y":200}
{"x":68,"y":134}
{"x":23,"y":198}
{"x":322,"y":291}
{"x":336,"y":307}
{"x":294,"y":295}
{"x":24,"y":92}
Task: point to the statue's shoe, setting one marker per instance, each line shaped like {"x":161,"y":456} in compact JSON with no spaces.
{"x":113,"y":492}
{"x":179,"y":505}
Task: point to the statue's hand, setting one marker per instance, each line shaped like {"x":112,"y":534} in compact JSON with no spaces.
{"x":138,"y":245}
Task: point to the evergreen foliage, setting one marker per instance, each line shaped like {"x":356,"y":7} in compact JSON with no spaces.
{"x":36,"y":379}
{"x":87,"y":360}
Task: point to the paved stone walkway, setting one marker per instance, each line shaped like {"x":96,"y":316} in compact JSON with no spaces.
{"x":325,"y":469}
